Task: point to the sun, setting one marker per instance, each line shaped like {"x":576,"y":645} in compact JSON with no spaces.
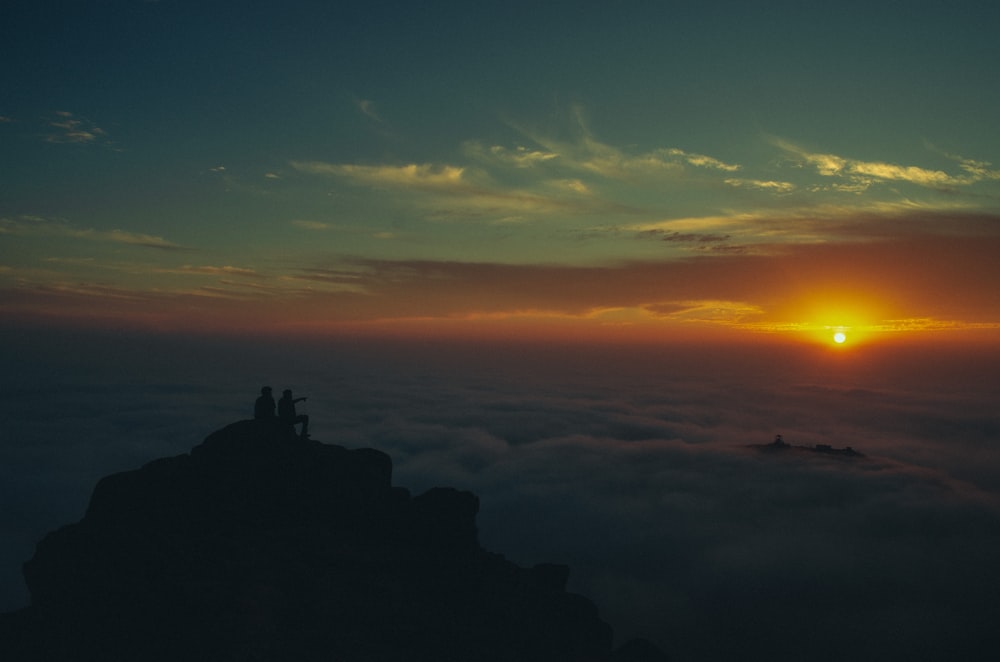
{"x":840,"y":337}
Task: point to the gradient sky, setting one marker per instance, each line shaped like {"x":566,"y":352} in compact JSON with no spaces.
{"x":635,"y":168}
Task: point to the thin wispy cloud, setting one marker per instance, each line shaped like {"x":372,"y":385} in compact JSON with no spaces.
{"x":518,"y":157}
{"x":413,"y":175}
{"x":86,"y":291}
{"x":862,"y":174}
{"x":311,"y":225}
{"x":588,"y":153}
{"x":44,"y":227}
{"x":367,"y":108}
{"x":70,"y":128}
{"x":457,"y":193}
{"x":560,"y":178}
{"x":702,"y":161}
{"x":711,"y":310}
{"x":978,"y":170}
{"x":227,"y":270}
{"x":572,"y":185}
{"x":609,"y":162}
{"x":373,"y":119}
{"x":133,"y":239}
{"x":824,"y":223}
{"x":771,"y":186}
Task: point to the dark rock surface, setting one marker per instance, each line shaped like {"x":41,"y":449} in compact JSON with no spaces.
{"x":258,"y":545}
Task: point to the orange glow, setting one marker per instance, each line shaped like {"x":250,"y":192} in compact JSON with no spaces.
{"x":840,"y":316}
{"x":872,"y":293}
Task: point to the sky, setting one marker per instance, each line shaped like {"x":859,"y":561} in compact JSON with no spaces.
{"x":571,"y":256}
{"x":647,"y":170}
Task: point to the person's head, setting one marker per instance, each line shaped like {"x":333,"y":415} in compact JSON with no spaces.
{"x":265,"y":390}
{"x":287,"y":393}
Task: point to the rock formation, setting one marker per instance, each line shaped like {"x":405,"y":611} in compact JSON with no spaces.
{"x":258,"y":545}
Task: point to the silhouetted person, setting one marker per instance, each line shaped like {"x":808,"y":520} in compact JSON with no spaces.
{"x":286,"y":412}
{"x":264,"y":406}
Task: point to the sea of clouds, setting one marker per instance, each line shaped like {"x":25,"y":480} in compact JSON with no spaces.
{"x":629,"y":464}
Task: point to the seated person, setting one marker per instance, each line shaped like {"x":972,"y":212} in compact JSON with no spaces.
{"x":264,"y":406}
{"x":286,"y":412}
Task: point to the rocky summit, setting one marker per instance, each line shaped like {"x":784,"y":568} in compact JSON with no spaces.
{"x":260,"y":545}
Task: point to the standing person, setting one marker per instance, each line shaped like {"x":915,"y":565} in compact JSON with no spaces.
{"x":286,"y":412}
{"x":264,"y":406}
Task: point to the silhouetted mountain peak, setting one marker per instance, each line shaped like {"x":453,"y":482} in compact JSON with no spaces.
{"x":261,"y":545}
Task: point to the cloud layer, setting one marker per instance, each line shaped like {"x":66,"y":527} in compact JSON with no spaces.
{"x":631,"y":465}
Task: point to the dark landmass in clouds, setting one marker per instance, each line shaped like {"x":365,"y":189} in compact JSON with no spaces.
{"x":630,"y":465}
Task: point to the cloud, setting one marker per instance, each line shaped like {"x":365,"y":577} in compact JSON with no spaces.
{"x":311,"y":225}
{"x":763,"y":185}
{"x":574,"y":185}
{"x":519,"y":157}
{"x":412,"y":175}
{"x":633,"y":471}
{"x":73,"y":129}
{"x":505,"y":185}
{"x":912,"y":174}
{"x":218,"y":271}
{"x":627,"y":463}
{"x":887,"y":275}
{"x":702,"y":161}
{"x":86,"y":292}
{"x":864,"y":284}
{"x":761,"y":229}
{"x":333,"y":280}
{"x":977,"y":169}
{"x":728,"y":312}
{"x":456,"y":193}
{"x":367,"y":108}
{"x":863,"y":173}
{"x":134,"y":239}
{"x":587,"y":153}
{"x":660,"y":234}
{"x":27,"y":226}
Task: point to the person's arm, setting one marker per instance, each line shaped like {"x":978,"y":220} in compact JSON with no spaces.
{"x":300,"y":399}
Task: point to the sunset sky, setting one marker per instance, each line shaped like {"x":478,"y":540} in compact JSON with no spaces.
{"x":609,"y":170}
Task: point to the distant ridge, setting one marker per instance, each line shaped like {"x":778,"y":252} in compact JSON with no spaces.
{"x":779,"y":446}
{"x":259,"y":545}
